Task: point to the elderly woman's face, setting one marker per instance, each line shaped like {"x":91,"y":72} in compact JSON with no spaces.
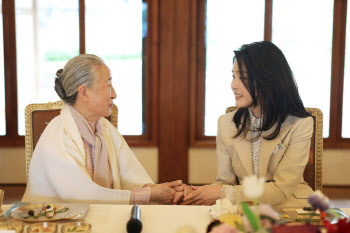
{"x":101,"y":93}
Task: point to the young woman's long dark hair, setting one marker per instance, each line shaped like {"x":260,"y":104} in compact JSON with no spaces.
{"x":271,"y":84}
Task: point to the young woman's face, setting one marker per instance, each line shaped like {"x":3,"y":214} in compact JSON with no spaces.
{"x":242,"y":95}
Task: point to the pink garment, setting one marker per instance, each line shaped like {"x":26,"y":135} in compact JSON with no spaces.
{"x":89,"y":163}
{"x":140,"y":196}
{"x":137,"y":196}
{"x":98,"y":146}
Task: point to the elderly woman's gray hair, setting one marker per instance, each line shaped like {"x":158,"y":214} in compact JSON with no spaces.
{"x":78,"y":71}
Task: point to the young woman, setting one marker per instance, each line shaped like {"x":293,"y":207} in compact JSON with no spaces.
{"x":269,"y":135}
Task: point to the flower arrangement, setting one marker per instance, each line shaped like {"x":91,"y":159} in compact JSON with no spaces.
{"x":263,"y":219}
{"x":342,"y":226}
{"x":319,"y":201}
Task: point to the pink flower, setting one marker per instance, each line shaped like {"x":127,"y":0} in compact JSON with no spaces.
{"x":224,"y":228}
{"x":265,"y":210}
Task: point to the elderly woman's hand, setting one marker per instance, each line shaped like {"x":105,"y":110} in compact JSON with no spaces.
{"x":164,"y":193}
{"x":203,"y":195}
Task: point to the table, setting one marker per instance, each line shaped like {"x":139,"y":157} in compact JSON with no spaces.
{"x":155,"y":218}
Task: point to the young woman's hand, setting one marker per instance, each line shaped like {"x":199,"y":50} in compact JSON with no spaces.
{"x":203,"y":195}
{"x":180,"y":195}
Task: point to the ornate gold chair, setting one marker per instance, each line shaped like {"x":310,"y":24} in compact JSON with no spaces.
{"x":313,"y":169}
{"x":38,"y":116}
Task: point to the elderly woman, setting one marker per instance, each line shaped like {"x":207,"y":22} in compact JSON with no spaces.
{"x":81,"y":157}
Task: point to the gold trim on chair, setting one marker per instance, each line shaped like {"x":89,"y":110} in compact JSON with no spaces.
{"x":317,"y":147}
{"x":29,"y":136}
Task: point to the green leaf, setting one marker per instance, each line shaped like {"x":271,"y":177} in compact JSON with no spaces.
{"x":72,"y":230}
{"x":43,"y":214}
{"x":253,"y":220}
{"x":268,"y":217}
{"x":62,"y":210}
{"x":334,"y":213}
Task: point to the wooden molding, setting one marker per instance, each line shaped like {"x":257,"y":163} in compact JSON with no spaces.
{"x":10,"y":68}
{"x":174,"y":83}
{"x":337,"y":74}
{"x":82,"y":26}
{"x":268,"y":20}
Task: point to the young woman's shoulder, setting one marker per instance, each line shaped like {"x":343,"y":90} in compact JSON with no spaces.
{"x":228,"y":117}
{"x":225,"y":122}
{"x":299,"y":120}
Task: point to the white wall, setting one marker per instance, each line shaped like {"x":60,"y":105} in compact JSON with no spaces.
{"x":202,"y":165}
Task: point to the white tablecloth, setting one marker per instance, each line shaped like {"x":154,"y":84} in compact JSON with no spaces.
{"x":155,"y":218}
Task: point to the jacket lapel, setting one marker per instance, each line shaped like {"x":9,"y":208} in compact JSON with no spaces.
{"x":243,"y":148}
{"x":268,"y":146}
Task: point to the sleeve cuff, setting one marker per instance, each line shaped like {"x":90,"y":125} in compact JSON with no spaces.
{"x":140,"y":196}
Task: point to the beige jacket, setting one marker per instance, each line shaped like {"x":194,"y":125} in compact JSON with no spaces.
{"x":282,"y":160}
{"x":57,"y":171}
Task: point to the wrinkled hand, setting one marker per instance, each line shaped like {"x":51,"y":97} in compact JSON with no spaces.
{"x":164,"y":193}
{"x":203,"y":195}
{"x":179,"y":196}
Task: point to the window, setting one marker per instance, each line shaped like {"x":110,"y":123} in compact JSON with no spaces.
{"x":48,"y":33}
{"x":313,"y":43}
{"x":220,"y":44}
{"x":309,"y":55}
{"x":346,"y":90}
{"x":121,"y":49}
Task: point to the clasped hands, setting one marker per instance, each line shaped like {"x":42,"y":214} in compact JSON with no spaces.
{"x":176,"y":192}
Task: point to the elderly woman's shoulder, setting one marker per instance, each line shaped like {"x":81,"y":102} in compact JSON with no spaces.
{"x":55,"y":123}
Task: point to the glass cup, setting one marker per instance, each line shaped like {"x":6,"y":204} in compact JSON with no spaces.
{"x":48,"y":227}
{"x":11,"y":226}
{"x":76,"y":227}
{"x":230,"y":205}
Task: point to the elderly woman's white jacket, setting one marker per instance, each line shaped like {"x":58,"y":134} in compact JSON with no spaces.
{"x":57,"y":171}
{"x":282,"y":160}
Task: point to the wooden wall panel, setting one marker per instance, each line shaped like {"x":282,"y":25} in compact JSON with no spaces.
{"x":268,"y":20}
{"x":174,"y":88}
{"x":82,"y":26}
{"x":10,"y":72}
{"x":337,"y":78}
